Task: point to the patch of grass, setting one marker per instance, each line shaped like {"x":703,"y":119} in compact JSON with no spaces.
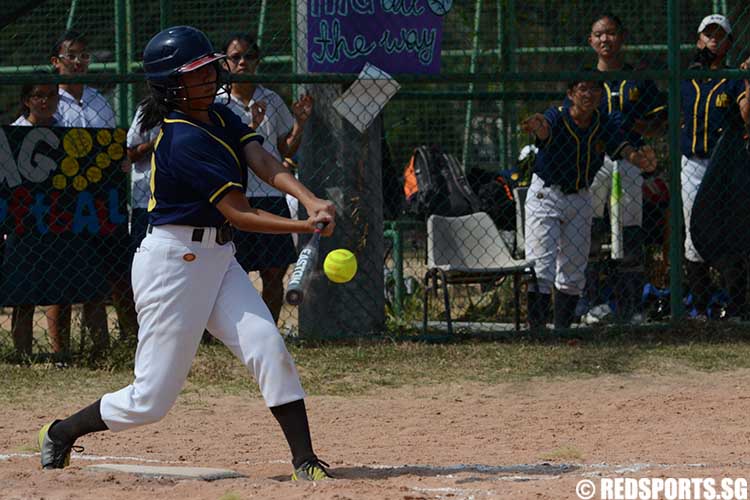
{"x":357,"y":367}
{"x":230,"y":495}
{"x":27,"y":448}
{"x":563,"y":453}
{"x":27,"y":385}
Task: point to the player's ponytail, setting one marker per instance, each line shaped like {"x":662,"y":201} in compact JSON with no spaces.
{"x":154,"y":108}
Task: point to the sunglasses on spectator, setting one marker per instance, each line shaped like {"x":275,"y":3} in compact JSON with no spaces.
{"x":247,"y":56}
{"x":82,"y":57}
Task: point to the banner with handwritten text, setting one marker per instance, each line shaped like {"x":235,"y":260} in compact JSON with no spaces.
{"x":63,"y":212}
{"x":398,"y":36}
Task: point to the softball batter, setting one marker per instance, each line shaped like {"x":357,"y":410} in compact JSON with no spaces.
{"x":185,"y":276}
{"x":572,"y":141}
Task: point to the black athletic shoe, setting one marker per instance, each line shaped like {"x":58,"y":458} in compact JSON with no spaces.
{"x":54,"y":455}
{"x":312,"y":470}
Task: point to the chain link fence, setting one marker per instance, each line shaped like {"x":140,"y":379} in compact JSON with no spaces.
{"x":588,"y":179}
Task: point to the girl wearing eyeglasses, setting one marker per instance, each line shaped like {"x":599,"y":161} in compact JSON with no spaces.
{"x":38,"y":105}
{"x":266,"y":112}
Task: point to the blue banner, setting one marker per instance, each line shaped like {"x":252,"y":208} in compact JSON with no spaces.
{"x":63,"y":213}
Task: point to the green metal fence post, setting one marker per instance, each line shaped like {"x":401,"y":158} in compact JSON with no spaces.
{"x":262,"y":23}
{"x":505,"y":57}
{"x":130,"y":54}
{"x":165,"y":13}
{"x":121,"y":103}
{"x":472,"y":69}
{"x":513,"y":67}
{"x":502,"y":137}
{"x":71,"y":14}
{"x":675,"y":200}
{"x":295,"y":62}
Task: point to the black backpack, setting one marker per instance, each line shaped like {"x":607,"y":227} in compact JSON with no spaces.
{"x":434,"y":183}
{"x":497,"y":200}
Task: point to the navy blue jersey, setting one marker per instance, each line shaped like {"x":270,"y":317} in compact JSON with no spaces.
{"x":195,"y":164}
{"x":636,"y":100}
{"x":571,"y":156}
{"x":706,"y":106}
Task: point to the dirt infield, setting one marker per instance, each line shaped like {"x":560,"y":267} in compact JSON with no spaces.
{"x":530,"y":440}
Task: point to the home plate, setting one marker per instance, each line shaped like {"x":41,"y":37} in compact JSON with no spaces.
{"x":204,"y":473}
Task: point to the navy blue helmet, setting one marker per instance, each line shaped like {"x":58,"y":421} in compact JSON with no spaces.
{"x":176,"y":50}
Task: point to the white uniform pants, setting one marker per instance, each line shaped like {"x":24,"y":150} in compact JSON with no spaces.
{"x":631,"y":203}
{"x":181,"y":288}
{"x":558,"y":237}
{"x":693,"y":170}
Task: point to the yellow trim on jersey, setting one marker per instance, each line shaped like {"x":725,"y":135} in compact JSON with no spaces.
{"x":222,"y":189}
{"x":657,"y":109}
{"x":578,"y":149}
{"x":609,"y":97}
{"x":231,"y":151}
{"x":622,"y":93}
{"x":251,"y":134}
{"x":588,"y":151}
{"x":708,"y":104}
{"x":220,"y":118}
{"x":741,"y":96}
{"x":695,"y":114}
{"x":152,"y":180}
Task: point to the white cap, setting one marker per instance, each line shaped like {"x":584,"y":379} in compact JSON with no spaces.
{"x":715,"y":19}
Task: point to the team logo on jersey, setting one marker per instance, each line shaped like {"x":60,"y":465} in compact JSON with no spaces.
{"x":634,"y":94}
{"x":722,"y":100}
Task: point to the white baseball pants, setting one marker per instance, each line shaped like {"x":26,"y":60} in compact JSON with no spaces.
{"x":558,"y":237}
{"x":182,"y":287}
{"x":691,"y":176}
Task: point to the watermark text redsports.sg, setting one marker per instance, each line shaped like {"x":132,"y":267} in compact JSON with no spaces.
{"x":682,"y":488}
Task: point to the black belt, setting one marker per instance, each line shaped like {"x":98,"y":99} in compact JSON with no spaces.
{"x":565,"y":190}
{"x":224,"y":233}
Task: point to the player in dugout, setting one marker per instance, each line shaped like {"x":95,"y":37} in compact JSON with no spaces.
{"x":643,"y":111}
{"x":572,"y":141}
{"x":707,"y":105}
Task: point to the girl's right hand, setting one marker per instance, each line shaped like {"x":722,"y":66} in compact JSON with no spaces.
{"x":536,"y":124}
{"x":258,"y":110}
{"x":324,"y":218}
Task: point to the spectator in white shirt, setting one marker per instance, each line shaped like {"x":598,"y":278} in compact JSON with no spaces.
{"x":140,"y":146}
{"x":83,"y":106}
{"x":80,"y":105}
{"x":267,"y":113}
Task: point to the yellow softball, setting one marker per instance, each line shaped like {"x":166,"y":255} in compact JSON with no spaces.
{"x":340,"y":265}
